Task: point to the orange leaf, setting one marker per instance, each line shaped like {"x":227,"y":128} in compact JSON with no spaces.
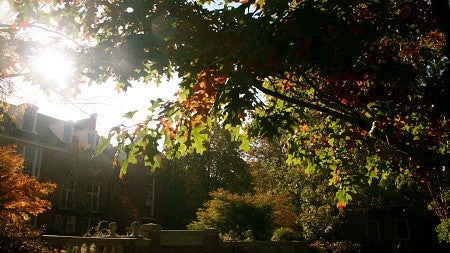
{"x":341,"y":205}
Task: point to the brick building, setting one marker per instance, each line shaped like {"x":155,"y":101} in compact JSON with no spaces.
{"x":89,"y":189}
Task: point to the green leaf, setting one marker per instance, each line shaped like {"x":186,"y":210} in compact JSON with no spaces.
{"x":372,"y":174}
{"x":199,"y":137}
{"x":182,"y":149}
{"x":132,"y":158}
{"x":331,"y":141}
{"x":123,"y":167}
{"x":198,"y":145}
{"x":103,"y":144}
{"x":343,"y":195}
{"x":155,"y":104}
{"x":310,"y":168}
{"x":151,"y":149}
{"x":129,"y":114}
{"x":245,"y":145}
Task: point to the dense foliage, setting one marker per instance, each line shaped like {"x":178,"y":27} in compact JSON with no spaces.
{"x":310,"y":209}
{"x":285,"y":234}
{"x":360,"y":88}
{"x":187,"y":181}
{"x":20,"y":197}
{"x":313,"y":214}
{"x":228,"y":212}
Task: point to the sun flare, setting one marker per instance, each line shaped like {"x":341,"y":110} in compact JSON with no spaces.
{"x":54,"y":66}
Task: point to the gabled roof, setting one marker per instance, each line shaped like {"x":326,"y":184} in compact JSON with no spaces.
{"x":44,"y":134}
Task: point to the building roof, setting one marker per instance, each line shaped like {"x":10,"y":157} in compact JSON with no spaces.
{"x":48,"y":130}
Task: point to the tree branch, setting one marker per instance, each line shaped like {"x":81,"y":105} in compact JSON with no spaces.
{"x":333,"y":113}
{"x":427,"y":158}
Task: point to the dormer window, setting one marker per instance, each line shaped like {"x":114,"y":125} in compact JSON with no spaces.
{"x":29,"y":119}
{"x":92,"y":139}
{"x":63,"y":130}
{"x":67,"y":133}
{"x":86,"y":138}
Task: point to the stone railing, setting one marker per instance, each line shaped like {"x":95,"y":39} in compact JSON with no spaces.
{"x":101,"y":240}
{"x":77,"y":244}
{"x":150,"y":238}
{"x":262,"y":246}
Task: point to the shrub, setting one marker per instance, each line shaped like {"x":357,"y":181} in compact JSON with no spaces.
{"x":285,"y":234}
{"x":443,"y":230}
{"x":240,"y":213}
{"x":335,"y":247}
{"x":20,"y":197}
{"x":20,"y":237}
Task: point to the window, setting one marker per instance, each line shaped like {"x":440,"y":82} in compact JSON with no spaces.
{"x":67,"y":227}
{"x":372,"y":230}
{"x":401,"y":229}
{"x":58,"y":222}
{"x":148,"y":211}
{"x":70,"y":225}
{"x":32,"y":160}
{"x":67,"y":133}
{"x":94,"y":198}
{"x":149,"y":187}
{"x":86,"y":138}
{"x":92,"y":139}
{"x":67,"y":195}
{"x":87,"y":223}
{"x":29,"y":119}
{"x":149,"y":202}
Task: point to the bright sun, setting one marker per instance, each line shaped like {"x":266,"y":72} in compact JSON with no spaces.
{"x":54,"y":66}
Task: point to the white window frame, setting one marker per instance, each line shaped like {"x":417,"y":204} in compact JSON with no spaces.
{"x":29,"y":120}
{"x":396,"y":221}
{"x":87,"y":138}
{"x":94,"y":198}
{"x":67,"y":136}
{"x":91,"y":142}
{"x":67,"y":195}
{"x":32,"y":160}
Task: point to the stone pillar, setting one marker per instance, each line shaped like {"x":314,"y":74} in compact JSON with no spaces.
{"x":211,"y":241}
{"x":153,"y":232}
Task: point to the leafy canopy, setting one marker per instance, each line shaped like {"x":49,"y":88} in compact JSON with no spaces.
{"x":356,"y":85}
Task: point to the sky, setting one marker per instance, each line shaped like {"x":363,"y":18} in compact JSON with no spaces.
{"x":103,"y":99}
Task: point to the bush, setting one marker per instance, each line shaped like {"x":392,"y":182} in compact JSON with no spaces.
{"x":20,"y":197}
{"x":240,"y":213}
{"x":20,"y":237}
{"x":443,"y":231}
{"x":335,"y":247}
{"x":285,"y":234}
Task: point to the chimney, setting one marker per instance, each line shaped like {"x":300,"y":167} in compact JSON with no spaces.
{"x":94,"y":120}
